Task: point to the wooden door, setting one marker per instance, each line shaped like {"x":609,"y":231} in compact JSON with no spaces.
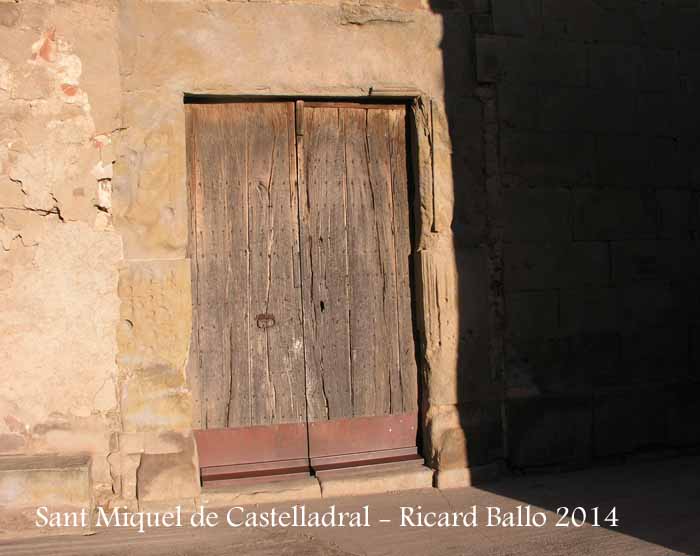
{"x":247,"y":296}
{"x":361,"y":380}
{"x":302,"y":304}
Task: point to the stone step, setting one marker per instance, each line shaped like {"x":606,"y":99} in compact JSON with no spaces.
{"x":61,"y":483}
{"x":354,"y":481}
{"x":261,"y":493}
{"x":375,"y":479}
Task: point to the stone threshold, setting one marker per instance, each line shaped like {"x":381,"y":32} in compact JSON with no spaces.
{"x":357,"y":481}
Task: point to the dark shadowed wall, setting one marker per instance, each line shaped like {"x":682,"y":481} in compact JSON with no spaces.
{"x":578,"y":193}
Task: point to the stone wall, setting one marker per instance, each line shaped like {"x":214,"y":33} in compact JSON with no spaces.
{"x":555,"y":219}
{"x":597,"y":197}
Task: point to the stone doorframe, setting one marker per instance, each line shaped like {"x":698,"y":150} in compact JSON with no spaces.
{"x":420,"y":154}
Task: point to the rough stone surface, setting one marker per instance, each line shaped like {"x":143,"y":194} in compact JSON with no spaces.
{"x":262,"y":493}
{"x":62,"y":483}
{"x":362,"y":482}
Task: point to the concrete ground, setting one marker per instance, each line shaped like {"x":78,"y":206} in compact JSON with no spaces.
{"x":657,"y":504}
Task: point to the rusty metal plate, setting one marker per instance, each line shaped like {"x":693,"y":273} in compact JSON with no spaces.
{"x":362,"y":434}
{"x":245,"y":471}
{"x":248,"y":445}
{"x":365,"y":459}
{"x":209,"y":484}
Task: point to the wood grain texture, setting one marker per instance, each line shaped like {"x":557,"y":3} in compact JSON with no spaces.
{"x":245,"y":212}
{"x":401,"y":225}
{"x":325,"y":265}
{"x":277,"y":352}
{"x":359,"y":333}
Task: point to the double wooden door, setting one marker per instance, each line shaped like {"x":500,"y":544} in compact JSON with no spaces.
{"x":300,"y":244}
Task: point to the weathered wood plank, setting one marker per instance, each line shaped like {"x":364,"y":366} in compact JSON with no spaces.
{"x":276,"y":341}
{"x":324,"y":265}
{"x":380,"y":179}
{"x":368,"y":338}
{"x":212,"y":241}
{"x":234,"y":125}
{"x":402,"y":235}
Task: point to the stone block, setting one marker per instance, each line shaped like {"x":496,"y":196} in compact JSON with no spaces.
{"x":677,"y":214}
{"x":502,"y":58}
{"x":685,"y":112}
{"x":614,"y":214}
{"x":615,"y":66}
{"x":536,"y":215}
{"x":595,"y":357}
{"x":686,"y":299}
{"x":156,"y":398}
{"x":150,"y":193}
{"x":667,"y":163}
{"x":518,"y":105}
{"x":620,"y":161}
{"x":588,"y":110}
{"x":589,"y":310}
{"x":516,"y":17}
{"x":627,"y":420}
{"x":648,"y":303}
{"x":454,"y":302}
{"x":542,"y":366}
{"x":634,"y":261}
{"x":683,"y":415}
{"x":589,"y":21}
{"x":532,"y":314}
{"x":12,"y":443}
{"x":695,"y":351}
{"x":548,"y":157}
{"x":468,"y":476}
{"x":654,"y":355}
{"x":156,"y":313}
{"x":261,"y":493}
{"x":690,"y":150}
{"x":62,"y":481}
{"x":655,"y":113}
{"x":555,"y":265}
{"x":688,"y":62}
{"x":464,"y":435}
{"x":168,"y":476}
{"x":671,"y":27}
{"x":82,"y":436}
{"x":375,"y":480}
{"x":549,"y":431}
{"x":155,"y":442}
{"x":660,"y":69}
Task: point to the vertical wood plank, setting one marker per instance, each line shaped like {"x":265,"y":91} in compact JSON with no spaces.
{"x":325,"y":265}
{"x":401,"y":206}
{"x":370,"y":377}
{"x":380,"y":180}
{"x":234,"y":126}
{"x":276,"y":350}
{"x":214,"y":330}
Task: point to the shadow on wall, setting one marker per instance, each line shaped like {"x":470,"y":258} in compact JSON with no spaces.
{"x":575,"y":132}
